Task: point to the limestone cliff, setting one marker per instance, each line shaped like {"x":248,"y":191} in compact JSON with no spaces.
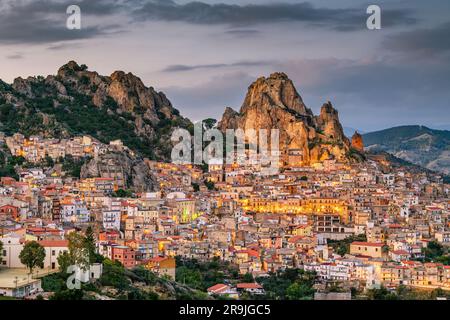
{"x":274,"y":103}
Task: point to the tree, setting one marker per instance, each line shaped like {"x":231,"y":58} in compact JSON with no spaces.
{"x":381,"y":294}
{"x":342,"y":247}
{"x":298,"y":291}
{"x":209,"y":123}
{"x":248,"y":278}
{"x":89,"y":242}
{"x":32,"y":255}
{"x":114,"y":275}
{"x":79,"y":253}
{"x":49,"y":161}
{"x":209,"y":184}
{"x":64,"y":261}
{"x":122,"y":194}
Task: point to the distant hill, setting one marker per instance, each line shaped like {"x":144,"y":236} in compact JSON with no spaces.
{"x":420,"y":145}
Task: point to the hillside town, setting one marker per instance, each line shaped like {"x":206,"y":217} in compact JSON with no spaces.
{"x":360,"y":225}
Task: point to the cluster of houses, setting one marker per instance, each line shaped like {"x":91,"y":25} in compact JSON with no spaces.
{"x":260,"y":223}
{"x":36,"y":149}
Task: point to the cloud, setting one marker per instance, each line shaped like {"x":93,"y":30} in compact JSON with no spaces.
{"x":434,"y":40}
{"x":44,"y":21}
{"x":243,"y":32}
{"x":88,"y":7}
{"x":373,"y":94}
{"x":64,"y":46}
{"x":210,"y":98}
{"x":369,"y":94}
{"x":181,"y":67}
{"x":349,"y":19}
{"x":16,"y":56}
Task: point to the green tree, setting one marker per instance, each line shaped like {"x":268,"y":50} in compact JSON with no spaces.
{"x":196,"y":187}
{"x":342,"y":247}
{"x":32,"y":255}
{"x":49,"y":161}
{"x":209,"y":123}
{"x":248,"y":278}
{"x":68,"y":295}
{"x":289,"y":284}
{"x":299,"y":291}
{"x":122,"y":194}
{"x":209,"y":184}
{"x":89,"y":243}
{"x":78,"y":251}
{"x":437,"y":253}
{"x":190,"y":277}
{"x":64,"y":261}
{"x":381,"y":294}
{"x":114,"y":275}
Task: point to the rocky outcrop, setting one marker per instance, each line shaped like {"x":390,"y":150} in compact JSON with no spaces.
{"x":23,"y":86}
{"x":149,"y":113}
{"x":128,"y":92}
{"x":274,"y":103}
{"x":357,"y":142}
{"x":126,"y":169}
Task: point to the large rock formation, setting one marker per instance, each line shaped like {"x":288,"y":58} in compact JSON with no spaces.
{"x":357,"y":142}
{"x":146,"y":115}
{"x":274,"y":103}
{"x":126,"y":169}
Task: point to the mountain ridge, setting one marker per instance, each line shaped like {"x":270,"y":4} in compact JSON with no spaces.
{"x":421,"y":145}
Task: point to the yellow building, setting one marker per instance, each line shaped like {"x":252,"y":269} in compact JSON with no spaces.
{"x":370,"y":249}
{"x":162,"y":266}
{"x":304,"y":231}
{"x":316,"y":206}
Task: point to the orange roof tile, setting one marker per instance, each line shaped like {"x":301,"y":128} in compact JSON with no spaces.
{"x":54,"y":243}
{"x":248,"y":286}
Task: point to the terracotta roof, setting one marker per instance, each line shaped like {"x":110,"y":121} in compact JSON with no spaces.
{"x":251,"y":253}
{"x":295,"y":239}
{"x":400,"y":252}
{"x":54,"y":243}
{"x":368,"y":244}
{"x":248,"y":286}
{"x":218,"y":288}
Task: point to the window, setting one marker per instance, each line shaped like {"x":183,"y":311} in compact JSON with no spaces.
{"x":4,"y":253}
{"x":53,"y":252}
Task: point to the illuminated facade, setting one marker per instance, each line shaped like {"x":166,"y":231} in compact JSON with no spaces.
{"x":318,"y":206}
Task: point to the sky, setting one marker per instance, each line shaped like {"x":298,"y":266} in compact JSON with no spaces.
{"x":203,"y":55}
